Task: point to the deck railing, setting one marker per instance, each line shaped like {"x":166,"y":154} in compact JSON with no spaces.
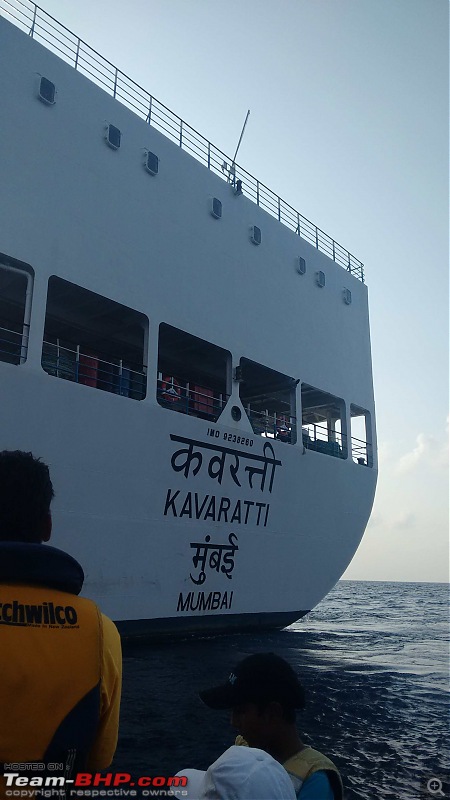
{"x":317,"y":437}
{"x":13,"y":343}
{"x":272,"y":424}
{"x":77,"y":365}
{"x":46,"y":29}
{"x":195,"y":401}
{"x":362,"y":452}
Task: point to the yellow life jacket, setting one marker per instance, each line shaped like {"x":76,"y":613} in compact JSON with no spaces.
{"x":306,"y":762}
{"x":50,"y":659}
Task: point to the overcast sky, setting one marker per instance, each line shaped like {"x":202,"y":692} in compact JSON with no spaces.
{"x":348,"y":124}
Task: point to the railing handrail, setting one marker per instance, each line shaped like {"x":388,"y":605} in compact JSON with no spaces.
{"x":123,"y":381}
{"x":323,"y":428}
{"x":22,"y":333}
{"x":121,"y":88}
{"x":186,"y":391}
{"x":97,"y":357}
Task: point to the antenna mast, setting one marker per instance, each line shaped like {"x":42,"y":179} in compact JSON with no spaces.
{"x":231,"y":171}
{"x":240,"y":138}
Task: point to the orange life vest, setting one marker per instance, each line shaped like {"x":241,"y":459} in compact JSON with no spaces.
{"x":50,"y":658}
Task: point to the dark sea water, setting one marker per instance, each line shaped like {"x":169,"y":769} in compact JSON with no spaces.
{"x":375,"y":662}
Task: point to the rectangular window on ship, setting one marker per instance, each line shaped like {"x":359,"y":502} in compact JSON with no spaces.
{"x":361,"y":432}
{"x":194,"y":376}
{"x":323,"y":421}
{"x":269,"y":400}
{"x":94,"y":341}
{"x":16,"y":285}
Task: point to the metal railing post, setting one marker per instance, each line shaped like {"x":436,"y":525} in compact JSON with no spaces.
{"x":31,"y":33}
{"x":181,"y":133}
{"x":149,"y":115}
{"x":209,"y":155}
{"x":115,"y":82}
{"x":77,"y":54}
{"x":24,"y":343}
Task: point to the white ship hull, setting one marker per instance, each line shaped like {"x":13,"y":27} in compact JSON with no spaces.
{"x":182,"y":521}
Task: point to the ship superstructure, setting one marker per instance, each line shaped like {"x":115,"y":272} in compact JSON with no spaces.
{"x":211,"y":440}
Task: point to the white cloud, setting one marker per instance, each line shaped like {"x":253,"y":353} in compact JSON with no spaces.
{"x":404,"y":521}
{"x":427,"y":450}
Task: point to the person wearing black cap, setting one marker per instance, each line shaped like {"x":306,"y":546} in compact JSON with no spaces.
{"x":263,"y":693}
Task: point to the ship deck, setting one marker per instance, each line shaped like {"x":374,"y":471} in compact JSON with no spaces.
{"x":68,"y":46}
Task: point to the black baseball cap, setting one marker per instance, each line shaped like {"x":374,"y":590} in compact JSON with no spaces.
{"x":260,"y":678}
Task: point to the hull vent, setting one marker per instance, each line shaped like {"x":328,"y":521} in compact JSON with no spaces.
{"x":47,"y":92}
{"x":113,"y":137}
{"x":320,"y":279}
{"x":216,"y":208}
{"x":255,"y":235}
{"x":151,"y":163}
{"x":301,"y":266}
